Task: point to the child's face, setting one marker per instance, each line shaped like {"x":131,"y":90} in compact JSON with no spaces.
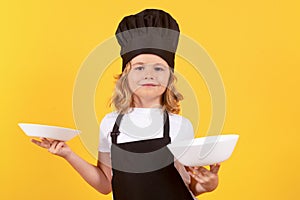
{"x":148,"y":76}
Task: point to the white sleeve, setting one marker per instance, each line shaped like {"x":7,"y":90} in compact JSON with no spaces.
{"x":104,"y":142}
{"x":185,"y":130}
{"x":189,"y":134}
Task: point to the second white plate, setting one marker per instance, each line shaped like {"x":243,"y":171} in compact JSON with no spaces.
{"x":205,"y":150}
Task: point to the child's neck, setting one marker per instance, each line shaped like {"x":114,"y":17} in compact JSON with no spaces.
{"x":147,"y":103}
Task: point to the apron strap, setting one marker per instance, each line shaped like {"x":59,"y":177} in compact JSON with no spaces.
{"x":166,"y":125}
{"x":115,"y":132}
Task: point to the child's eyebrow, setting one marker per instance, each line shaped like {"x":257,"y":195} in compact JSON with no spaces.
{"x":138,"y":63}
{"x":141,"y":63}
{"x":160,"y":64}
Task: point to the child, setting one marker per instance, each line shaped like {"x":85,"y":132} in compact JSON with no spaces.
{"x":133,"y":160}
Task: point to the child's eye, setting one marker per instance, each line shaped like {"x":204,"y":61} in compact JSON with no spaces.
{"x":159,"y":69}
{"x":139,"y":68}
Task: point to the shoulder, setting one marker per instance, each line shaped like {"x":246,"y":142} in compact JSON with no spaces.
{"x":179,"y":120}
{"x":109,"y":117}
{"x":108,"y":121}
{"x":181,"y":128}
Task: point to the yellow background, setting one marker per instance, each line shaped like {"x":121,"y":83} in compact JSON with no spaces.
{"x":255,"y":45}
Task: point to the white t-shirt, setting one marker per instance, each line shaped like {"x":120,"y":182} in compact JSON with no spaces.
{"x":144,"y":124}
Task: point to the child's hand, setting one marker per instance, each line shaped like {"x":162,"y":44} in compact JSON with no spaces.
{"x":202,"y":179}
{"x":55,"y":147}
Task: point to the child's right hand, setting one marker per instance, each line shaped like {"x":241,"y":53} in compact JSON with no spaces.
{"x":56,"y":147}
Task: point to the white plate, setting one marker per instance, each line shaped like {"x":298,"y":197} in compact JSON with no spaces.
{"x":205,"y":150}
{"x":46,"y":131}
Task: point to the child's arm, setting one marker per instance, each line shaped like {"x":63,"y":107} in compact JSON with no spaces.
{"x":98,"y":176}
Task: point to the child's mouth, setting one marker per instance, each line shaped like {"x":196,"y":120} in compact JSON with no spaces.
{"x":149,"y":85}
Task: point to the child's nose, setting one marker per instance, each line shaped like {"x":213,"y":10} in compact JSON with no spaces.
{"x":149,"y":73}
{"x":149,"y":76}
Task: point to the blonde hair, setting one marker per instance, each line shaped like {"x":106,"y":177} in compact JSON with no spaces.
{"x":122,"y":98}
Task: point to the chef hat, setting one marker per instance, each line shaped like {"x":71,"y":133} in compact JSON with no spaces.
{"x":149,"y":31}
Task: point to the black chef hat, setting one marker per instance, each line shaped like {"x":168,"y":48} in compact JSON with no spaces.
{"x":149,"y":31}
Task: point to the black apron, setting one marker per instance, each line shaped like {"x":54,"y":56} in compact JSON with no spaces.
{"x":144,"y":170}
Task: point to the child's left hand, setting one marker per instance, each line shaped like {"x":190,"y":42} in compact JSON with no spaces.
{"x":202,"y":179}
